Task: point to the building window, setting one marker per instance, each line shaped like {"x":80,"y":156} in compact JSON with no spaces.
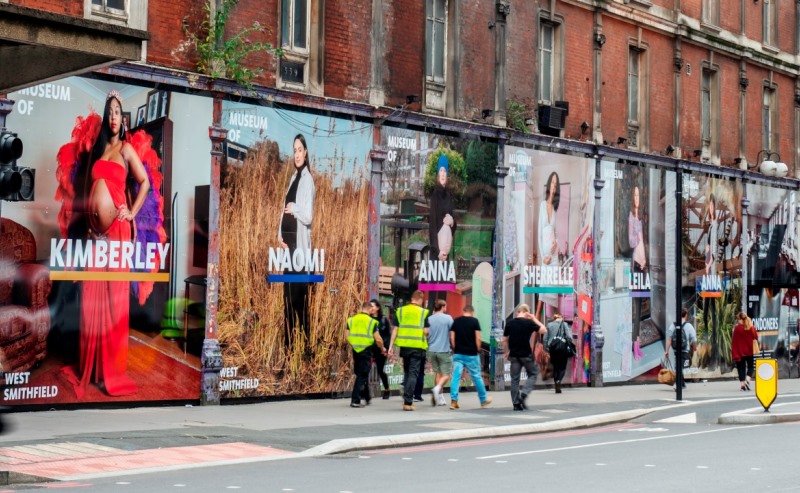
{"x":435,"y":37}
{"x":550,"y":60}
{"x":637,"y":96}
{"x":113,"y":7}
{"x":711,"y":12}
{"x":546,"y":62}
{"x":294,"y":25}
{"x":770,"y":10}
{"x":769,"y":117}
{"x":128,"y":13}
{"x":709,"y":112}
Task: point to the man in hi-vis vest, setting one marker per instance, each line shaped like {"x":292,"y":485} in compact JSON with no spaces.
{"x":410,"y":334}
{"x":362,"y":334}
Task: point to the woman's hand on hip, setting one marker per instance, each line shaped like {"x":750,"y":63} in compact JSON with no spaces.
{"x":124,"y":214}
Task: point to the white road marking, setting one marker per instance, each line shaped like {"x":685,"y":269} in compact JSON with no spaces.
{"x":702,"y":467}
{"x":407,"y":458}
{"x":616,"y":442}
{"x":649,"y":465}
{"x":234,"y":487}
{"x":755,"y":468}
{"x":690,"y":418}
{"x":179,"y":485}
{"x":599,"y":464}
{"x":363,"y":456}
{"x":549,"y":463}
{"x":501,"y":461}
{"x":123,"y":482}
{"x":452,"y":460}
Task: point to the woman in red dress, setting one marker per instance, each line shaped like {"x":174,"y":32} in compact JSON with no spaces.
{"x":742,"y":349}
{"x":105,"y":304}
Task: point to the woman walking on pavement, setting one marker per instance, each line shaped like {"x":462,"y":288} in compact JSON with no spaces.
{"x":742,"y":345}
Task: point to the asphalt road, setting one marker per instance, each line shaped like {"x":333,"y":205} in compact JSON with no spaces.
{"x":672,"y":450}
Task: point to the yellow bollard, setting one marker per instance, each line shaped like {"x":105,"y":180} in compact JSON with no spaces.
{"x":766,"y":382}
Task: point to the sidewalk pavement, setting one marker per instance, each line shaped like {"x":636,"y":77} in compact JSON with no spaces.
{"x":82,"y":444}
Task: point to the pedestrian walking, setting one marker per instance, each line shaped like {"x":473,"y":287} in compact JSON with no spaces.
{"x":362,"y":334}
{"x":465,"y":338}
{"x":439,"y":350}
{"x":385,"y":331}
{"x":743,"y":343}
{"x":558,"y":327}
{"x":410,"y":334}
{"x":688,"y":342}
{"x":518,"y":350}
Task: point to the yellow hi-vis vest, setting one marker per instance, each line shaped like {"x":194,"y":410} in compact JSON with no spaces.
{"x":411,"y":327}
{"x":361,"y":327}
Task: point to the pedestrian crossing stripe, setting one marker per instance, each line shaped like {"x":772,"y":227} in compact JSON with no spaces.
{"x":690,"y":418}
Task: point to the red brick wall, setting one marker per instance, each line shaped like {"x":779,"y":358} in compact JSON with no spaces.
{"x":521,"y":52}
{"x":753,"y":138}
{"x":404,"y":26}
{"x":691,"y":123}
{"x":266,"y":13}
{"x":786,"y":26}
{"x":168,"y":45}
{"x":578,"y":67}
{"x":729,"y":90}
{"x":347,"y":49}
{"x":661,"y":52}
{"x":476,"y":73}
{"x":72,"y":8}
{"x":730,"y":15}
{"x":615,"y":78}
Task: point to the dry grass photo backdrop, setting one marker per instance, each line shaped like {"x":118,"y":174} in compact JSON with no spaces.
{"x":250,"y":314}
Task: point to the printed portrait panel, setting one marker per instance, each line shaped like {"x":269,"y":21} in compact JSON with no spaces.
{"x":102,"y":247}
{"x":634,"y":268}
{"x":548,"y":242}
{"x":712,"y":266}
{"x":293,"y":249}
{"x":771,"y":259}
{"x":438,"y":201}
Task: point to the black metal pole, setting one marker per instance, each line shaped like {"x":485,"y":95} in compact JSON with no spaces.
{"x":678,"y":285}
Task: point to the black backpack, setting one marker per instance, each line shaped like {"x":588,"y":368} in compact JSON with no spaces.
{"x":685,"y":349}
{"x":560,"y":343}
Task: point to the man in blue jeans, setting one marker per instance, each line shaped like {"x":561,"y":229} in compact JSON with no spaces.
{"x":465,"y":339}
{"x":518,"y":349}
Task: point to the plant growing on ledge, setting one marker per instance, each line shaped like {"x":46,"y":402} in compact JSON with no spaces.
{"x":221,"y":57}
{"x":517,"y":115}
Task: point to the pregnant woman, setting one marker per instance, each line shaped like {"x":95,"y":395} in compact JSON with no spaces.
{"x":109,"y":211}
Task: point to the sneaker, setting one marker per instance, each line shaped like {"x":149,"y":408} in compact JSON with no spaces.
{"x":486,"y":402}
{"x":442,"y":401}
{"x":418,"y":399}
{"x":454,"y":405}
{"x":386,"y":393}
{"x":409,"y":407}
{"x":434,"y":396}
{"x":522,"y":403}
{"x":558,"y":387}
{"x":518,"y":407}
{"x":356,"y":405}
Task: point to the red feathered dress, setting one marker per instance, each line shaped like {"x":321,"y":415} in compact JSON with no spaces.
{"x":105,"y":304}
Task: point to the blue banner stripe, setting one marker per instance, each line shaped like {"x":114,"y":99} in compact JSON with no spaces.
{"x":291,"y":278}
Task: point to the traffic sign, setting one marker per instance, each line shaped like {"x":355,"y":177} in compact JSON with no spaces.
{"x":766,"y":382}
